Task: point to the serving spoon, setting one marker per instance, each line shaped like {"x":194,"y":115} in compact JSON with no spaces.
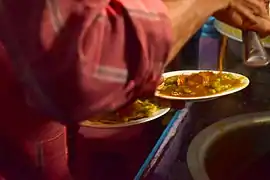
{"x":255,"y":54}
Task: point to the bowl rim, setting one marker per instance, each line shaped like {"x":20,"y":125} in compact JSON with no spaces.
{"x":203,"y":140}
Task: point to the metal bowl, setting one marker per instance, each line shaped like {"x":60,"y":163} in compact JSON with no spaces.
{"x":227,"y":148}
{"x":236,"y":48}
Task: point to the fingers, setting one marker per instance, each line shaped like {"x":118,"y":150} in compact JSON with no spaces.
{"x":175,"y":104}
{"x":247,"y":15}
{"x":266,"y":2}
{"x":231,"y":17}
{"x":252,"y":15}
{"x":250,"y":9}
{"x":161,"y":80}
{"x":245,"y":12}
{"x":258,"y":7}
{"x":262,"y":27}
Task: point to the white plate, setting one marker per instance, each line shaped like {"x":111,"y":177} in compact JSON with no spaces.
{"x":244,"y":84}
{"x":155,"y":115}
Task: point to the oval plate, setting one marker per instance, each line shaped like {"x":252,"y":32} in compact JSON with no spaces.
{"x":244,"y":84}
{"x":155,"y":115}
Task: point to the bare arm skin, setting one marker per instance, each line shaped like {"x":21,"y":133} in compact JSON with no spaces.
{"x":187,"y":16}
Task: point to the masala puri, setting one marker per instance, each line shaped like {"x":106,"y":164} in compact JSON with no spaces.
{"x":198,"y":84}
{"x":138,"y":110}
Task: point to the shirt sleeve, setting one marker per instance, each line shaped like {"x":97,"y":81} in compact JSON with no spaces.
{"x":107,"y":54}
{"x":124,"y":51}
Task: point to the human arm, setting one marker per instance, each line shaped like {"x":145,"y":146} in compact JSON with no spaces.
{"x":89,"y":57}
{"x":261,"y":24}
{"x":187,"y":17}
{"x":121,"y":50}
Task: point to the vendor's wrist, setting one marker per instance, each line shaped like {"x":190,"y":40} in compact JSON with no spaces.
{"x":211,"y":6}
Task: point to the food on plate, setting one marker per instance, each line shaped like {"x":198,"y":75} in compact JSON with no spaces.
{"x":198,"y":84}
{"x":137,"y":110}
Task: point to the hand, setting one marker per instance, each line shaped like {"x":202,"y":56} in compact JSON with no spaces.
{"x":175,"y":104}
{"x":247,"y":15}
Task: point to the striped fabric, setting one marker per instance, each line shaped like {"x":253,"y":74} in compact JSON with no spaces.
{"x":80,"y":57}
{"x":116,"y":45}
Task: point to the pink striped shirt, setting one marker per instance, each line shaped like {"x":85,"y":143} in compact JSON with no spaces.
{"x":82,"y":57}
{"x":90,"y":56}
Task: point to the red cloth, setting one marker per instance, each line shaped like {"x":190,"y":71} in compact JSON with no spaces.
{"x":100,"y":54}
{"x":120,"y":54}
{"x":114,"y":159}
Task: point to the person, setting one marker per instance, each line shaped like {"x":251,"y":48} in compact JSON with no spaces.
{"x":63,"y":61}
